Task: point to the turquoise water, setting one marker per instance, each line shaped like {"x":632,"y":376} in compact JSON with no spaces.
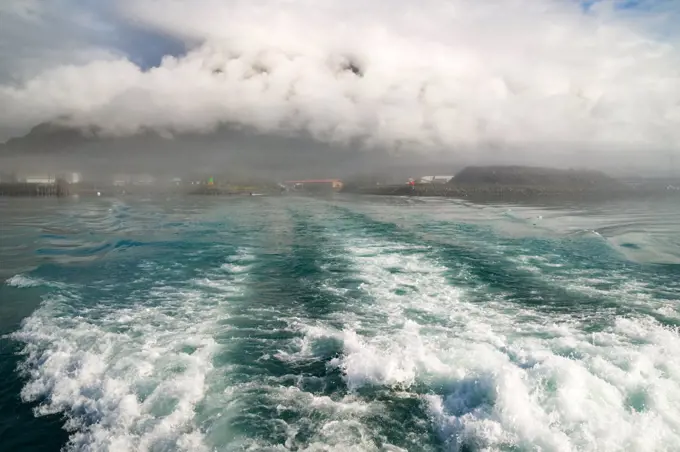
{"x":339,"y":323}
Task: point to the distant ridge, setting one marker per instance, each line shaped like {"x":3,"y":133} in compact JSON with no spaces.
{"x":517,"y":183}
{"x":54,"y":138}
{"x":551,"y":179}
{"x":231,"y":147}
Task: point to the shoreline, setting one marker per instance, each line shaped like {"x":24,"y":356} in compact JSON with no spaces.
{"x":472,"y":193}
{"x":490,"y":193}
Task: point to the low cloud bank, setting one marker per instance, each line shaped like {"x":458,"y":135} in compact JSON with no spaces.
{"x":469,"y":76}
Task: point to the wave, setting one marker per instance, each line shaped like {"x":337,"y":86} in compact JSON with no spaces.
{"x":127,"y":378}
{"x":325,"y":325}
{"x":495,"y":375}
{"x":23,"y":281}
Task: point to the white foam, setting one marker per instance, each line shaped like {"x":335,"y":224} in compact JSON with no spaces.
{"x":127,"y":379}
{"x":619,"y":285}
{"x":23,"y":281}
{"x":234,"y":268}
{"x":490,"y":373}
{"x":511,"y":377}
{"x":336,"y":424}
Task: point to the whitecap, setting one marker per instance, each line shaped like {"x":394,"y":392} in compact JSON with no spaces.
{"x":23,"y":281}
{"x":500,"y":375}
{"x":127,"y":377}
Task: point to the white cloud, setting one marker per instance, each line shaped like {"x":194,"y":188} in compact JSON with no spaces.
{"x":435,"y":74}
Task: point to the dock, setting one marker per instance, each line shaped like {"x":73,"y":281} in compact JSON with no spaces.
{"x":27,"y":189}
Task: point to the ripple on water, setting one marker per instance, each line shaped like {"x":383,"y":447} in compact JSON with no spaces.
{"x":355,"y":330}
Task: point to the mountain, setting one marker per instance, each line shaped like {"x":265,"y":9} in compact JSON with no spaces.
{"x":538,"y":177}
{"x":227,"y":149}
{"x":48,"y":137}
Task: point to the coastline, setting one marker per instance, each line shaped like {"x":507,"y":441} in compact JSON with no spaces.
{"x":486,"y":193}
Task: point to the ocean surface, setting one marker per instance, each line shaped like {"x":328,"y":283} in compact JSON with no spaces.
{"x":338,"y":324}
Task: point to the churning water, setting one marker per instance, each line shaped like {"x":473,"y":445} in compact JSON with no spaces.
{"x":340,"y":323}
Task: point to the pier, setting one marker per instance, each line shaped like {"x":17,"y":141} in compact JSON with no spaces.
{"x":27,"y":189}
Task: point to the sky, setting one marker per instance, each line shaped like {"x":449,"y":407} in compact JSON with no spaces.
{"x":590,"y":80}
